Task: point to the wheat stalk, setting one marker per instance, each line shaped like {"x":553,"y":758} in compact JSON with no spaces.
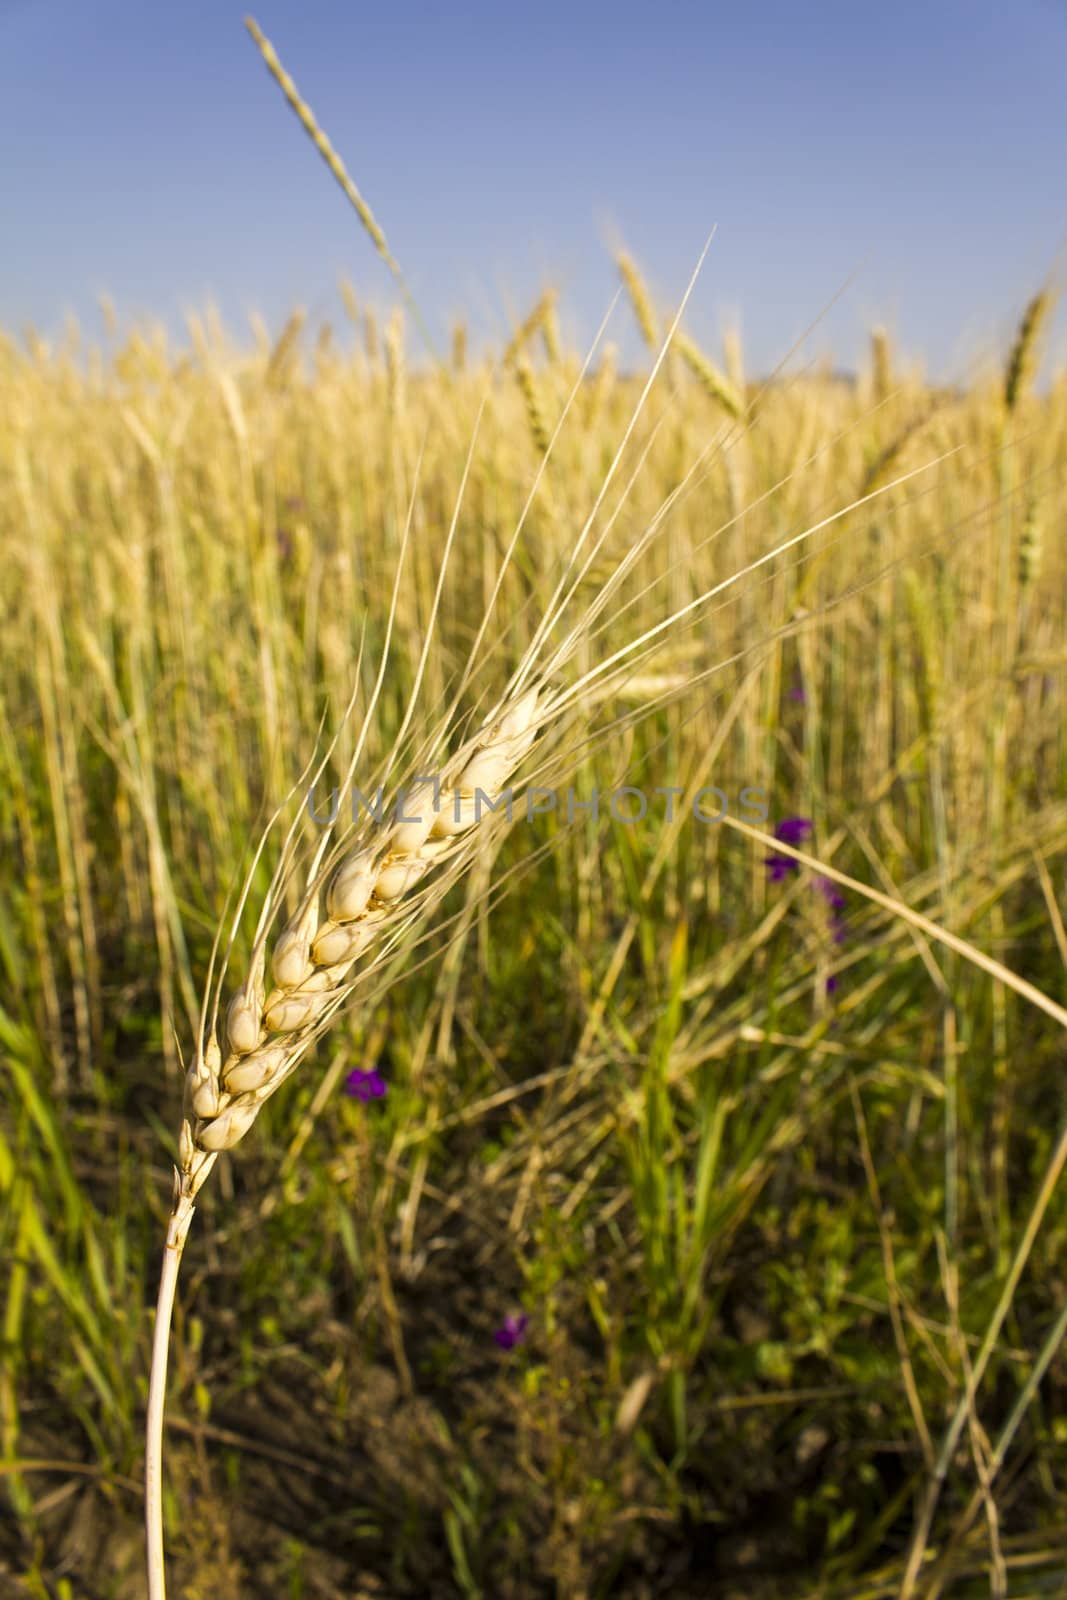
{"x":348,"y":908}
{"x":355,"y":899}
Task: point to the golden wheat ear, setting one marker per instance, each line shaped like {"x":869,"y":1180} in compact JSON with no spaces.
{"x":321,"y":141}
{"x":345,"y":910}
{"x":1023,"y":359}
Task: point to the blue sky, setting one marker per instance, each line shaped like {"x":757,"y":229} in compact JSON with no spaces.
{"x":922,"y":148}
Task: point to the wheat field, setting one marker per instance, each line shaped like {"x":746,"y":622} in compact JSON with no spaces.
{"x":667,"y":1218}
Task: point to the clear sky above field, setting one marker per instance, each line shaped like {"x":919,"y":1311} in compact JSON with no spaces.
{"x":145,"y":151}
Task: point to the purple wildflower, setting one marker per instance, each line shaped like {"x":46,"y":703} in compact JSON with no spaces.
{"x":512,"y":1331}
{"x":791,"y":830}
{"x":831,"y":985}
{"x":840,"y":932}
{"x":365,"y":1085}
{"x":831,"y":893}
{"x":797,"y":690}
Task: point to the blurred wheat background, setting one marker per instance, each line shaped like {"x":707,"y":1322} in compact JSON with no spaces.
{"x":736,"y":1183}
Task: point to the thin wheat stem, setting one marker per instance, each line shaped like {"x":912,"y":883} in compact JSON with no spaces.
{"x":177,"y":1232}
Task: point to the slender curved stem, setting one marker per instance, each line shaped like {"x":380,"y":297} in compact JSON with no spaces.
{"x":177,"y":1231}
